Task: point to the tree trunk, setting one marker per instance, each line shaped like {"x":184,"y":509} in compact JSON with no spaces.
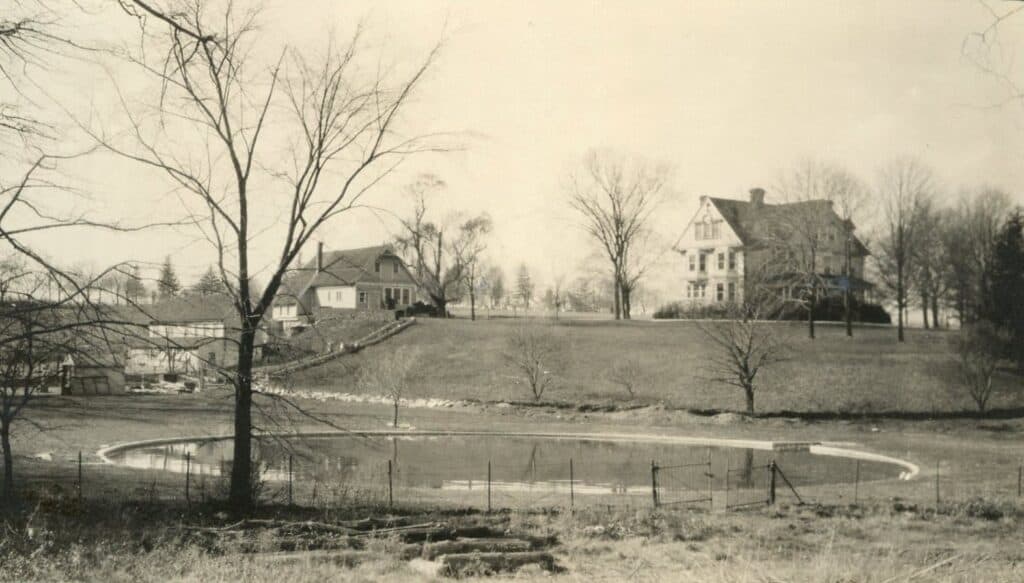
{"x":924,"y":308}
{"x":472,"y":304}
{"x":626,"y":307}
{"x":935,"y":311}
{"x":395,"y":422}
{"x":749,"y":392}
{"x":900,"y":302}
{"x":617,"y":291}
{"x":810,"y":313}
{"x":849,"y":310}
{"x":241,"y":464}
{"x":5,"y":440}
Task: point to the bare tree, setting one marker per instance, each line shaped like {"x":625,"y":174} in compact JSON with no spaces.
{"x":524,"y":285}
{"x":813,"y":229}
{"x":534,"y":353}
{"x":206,"y":129}
{"x":626,"y":374}
{"x":978,"y":347}
{"x":615,"y":197}
{"x":743,"y":346}
{"x":904,"y":186}
{"x":469,"y":249}
{"x":390,"y":374}
{"x":930,"y":262}
{"x":439,"y":250}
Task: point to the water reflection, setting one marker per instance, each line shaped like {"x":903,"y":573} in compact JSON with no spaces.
{"x":515,"y":464}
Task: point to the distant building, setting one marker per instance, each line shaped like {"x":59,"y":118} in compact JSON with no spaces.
{"x":185,"y":335}
{"x":351,"y":280}
{"x":728,"y":243}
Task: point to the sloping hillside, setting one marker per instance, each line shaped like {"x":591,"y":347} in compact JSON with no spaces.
{"x":870,"y":373}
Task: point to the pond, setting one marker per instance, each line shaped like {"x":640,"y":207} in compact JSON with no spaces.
{"x":514,"y":465}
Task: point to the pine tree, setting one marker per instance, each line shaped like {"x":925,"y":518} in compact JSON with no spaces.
{"x":208,"y":284}
{"x":168,"y":284}
{"x":524,"y":286}
{"x":134,"y":288}
{"x":497,"y":280}
{"x":1006,"y":302}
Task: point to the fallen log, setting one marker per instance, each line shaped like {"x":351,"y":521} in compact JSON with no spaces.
{"x":377,"y":523}
{"x":484,"y":563}
{"x":341,"y":558}
{"x":474,"y":545}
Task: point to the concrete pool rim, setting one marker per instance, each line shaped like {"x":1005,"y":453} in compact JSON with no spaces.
{"x":813,"y":447}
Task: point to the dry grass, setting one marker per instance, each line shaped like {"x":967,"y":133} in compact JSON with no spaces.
{"x":879,"y":543}
{"x":870,"y":373}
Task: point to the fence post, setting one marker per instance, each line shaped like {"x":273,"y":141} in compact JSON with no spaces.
{"x":1020,"y":474}
{"x":654,"y":482}
{"x":391,"y":495}
{"x":711,"y":484}
{"x":289,"y":479}
{"x":488,"y":485}
{"x":856,"y":482}
{"x":572,"y":493}
{"x":728,"y":463}
{"x":771,"y":483}
{"x":936,"y":483}
{"x":79,"y":477}
{"x":188,"y":477}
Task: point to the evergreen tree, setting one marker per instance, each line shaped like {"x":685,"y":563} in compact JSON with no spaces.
{"x":1005,"y":306}
{"x":524,"y":286}
{"x":208,"y":284}
{"x":134,"y":288}
{"x":497,"y":280}
{"x":168,"y":284}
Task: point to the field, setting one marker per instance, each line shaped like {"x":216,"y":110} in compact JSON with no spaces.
{"x":897,"y":400}
{"x":895,"y":531}
{"x":868,"y":374}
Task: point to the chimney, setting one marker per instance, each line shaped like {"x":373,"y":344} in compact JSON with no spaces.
{"x":757,"y":197}
{"x":319,"y":256}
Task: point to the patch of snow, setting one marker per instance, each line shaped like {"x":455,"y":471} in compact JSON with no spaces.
{"x":45,"y":456}
{"x":324,"y":396}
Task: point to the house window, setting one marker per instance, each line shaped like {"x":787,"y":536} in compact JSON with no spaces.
{"x":376,"y":266}
{"x":703,"y":288}
{"x":693,"y":262}
{"x":721,"y":261}
{"x":703,"y":262}
{"x":719,"y":292}
{"x":394,"y":266}
{"x":387,"y":294}
{"x":732,"y":260}
{"x":732,"y":291}
{"x":716,"y":229}
{"x":689,"y":290}
{"x":362,"y":297}
{"x":405,"y":296}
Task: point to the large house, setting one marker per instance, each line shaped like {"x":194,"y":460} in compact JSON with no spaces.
{"x":731,"y":243}
{"x":350,"y":280}
{"x":185,"y":335}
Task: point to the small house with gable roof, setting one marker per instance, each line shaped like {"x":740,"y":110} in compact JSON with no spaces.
{"x":349,"y":280}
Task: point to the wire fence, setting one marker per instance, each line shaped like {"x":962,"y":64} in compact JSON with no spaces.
{"x":720,"y":482}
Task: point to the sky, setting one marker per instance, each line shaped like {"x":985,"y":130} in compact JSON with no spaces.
{"x":728,"y":93}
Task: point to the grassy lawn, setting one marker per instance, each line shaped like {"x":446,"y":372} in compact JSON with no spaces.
{"x":895,"y":532}
{"x":870,"y":373}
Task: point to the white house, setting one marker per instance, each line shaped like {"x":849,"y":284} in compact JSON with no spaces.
{"x":724,"y":244}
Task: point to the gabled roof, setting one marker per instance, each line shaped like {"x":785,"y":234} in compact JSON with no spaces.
{"x":183,"y":309}
{"x":747,"y":220}
{"x":346,"y":267}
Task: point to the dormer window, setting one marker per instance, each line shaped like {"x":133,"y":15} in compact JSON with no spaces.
{"x":376,"y":266}
{"x":394,"y":266}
